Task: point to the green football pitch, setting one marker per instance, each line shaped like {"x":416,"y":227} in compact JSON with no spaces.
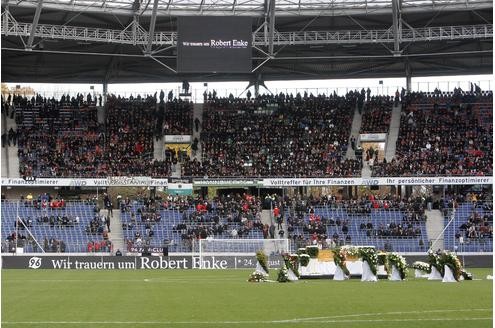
{"x":214,"y":298}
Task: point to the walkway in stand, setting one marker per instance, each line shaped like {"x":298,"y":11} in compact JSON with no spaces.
{"x":393,"y":133}
{"x":434,"y":226}
{"x":116,"y":234}
{"x":197,"y":114}
{"x":10,"y":154}
{"x":356,"y":126}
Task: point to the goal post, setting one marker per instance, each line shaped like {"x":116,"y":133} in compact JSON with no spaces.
{"x":241,"y":247}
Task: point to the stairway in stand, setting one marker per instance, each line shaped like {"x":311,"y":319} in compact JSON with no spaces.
{"x":116,"y":234}
{"x":10,"y":154}
{"x":197,"y":114}
{"x":366,"y":170}
{"x":158,"y":145}
{"x":356,"y":126}
{"x":434,"y":227}
{"x":393,"y":133}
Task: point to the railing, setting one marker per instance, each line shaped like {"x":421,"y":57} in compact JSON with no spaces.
{"x":257,"y":7}
{"x":70,"y":231}
{"x":25,"y":246}
{"x":328,"y":87}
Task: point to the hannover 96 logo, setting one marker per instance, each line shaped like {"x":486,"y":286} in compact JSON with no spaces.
{"x":35,"y":262}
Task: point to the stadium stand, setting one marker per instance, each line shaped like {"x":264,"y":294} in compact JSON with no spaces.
{"x":130,"y":135}
{"x":281,"y":135}
{"x":57,"y":225}
{"x":178,"y":221}
{"x":276,"y":135}
{"x":440,"y":134}
{"x":178,"y":117}
{"x":59,"y":138}
{"x":286,"y":136}
{"x":471,"y":223}
{"x":376,"y":115}
{"x":63,"y":138}
{"x":387,"y":224}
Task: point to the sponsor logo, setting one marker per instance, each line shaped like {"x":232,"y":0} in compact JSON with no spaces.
{"x":78,"y":183}
{"x":34,"y":262}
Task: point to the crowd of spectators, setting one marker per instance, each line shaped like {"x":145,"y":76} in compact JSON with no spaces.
{"x":51,"y":211}
{"x":17,"y":239}
{"x":229,"y":216}
{"x":62,"y":138}
{"x":376,"y":115}
{"x":129,"y":145}
{"x":58,"y":138}
{"x":10,"y":138}
{"x":178,"y":117}
{"x":397,"y":230}
{"x":441,"y":135}
{"x":235,"y":216}
{"x":269,"y":135}
{"x":100,"y":246}
{"x":315,"y":228}
{"x":291,"y":136}
{"x":478,"y":226}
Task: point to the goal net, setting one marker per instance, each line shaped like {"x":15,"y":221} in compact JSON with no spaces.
{"x":227,"y":247}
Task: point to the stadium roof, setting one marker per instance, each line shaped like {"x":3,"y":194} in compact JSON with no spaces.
{"x":97,"y":41}
{"x":255,"y":8}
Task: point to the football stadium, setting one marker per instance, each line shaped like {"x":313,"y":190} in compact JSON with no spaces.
{"x":247,"y":163}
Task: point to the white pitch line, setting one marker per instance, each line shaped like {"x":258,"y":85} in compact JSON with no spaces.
{"x":231,"y":322}
{"x":156,"y":280}
{"x":386,"y":313}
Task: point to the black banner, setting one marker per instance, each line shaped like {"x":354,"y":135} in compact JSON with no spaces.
{"x":214,"y":44}
{"x":133,"y":262}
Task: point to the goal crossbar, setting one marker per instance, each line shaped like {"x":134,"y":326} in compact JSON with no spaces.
{"x":248,"y":247}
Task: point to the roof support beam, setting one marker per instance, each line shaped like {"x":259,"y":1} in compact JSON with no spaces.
{"x":396,"y":27}
{"x":152,"y":28}
{"x":36,"y":19}
{"x":164,"y":65}
{"x":5,"y":19}
{"x":255,"y":8}
{"x":271,"y":25}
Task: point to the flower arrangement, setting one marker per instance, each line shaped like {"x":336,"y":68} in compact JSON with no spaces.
{"x":262,"y":260}
{"x":368,"y":254}
{"x":312,"y":251}
{"x":399,"y":262}
{"x":434,"y":261}
{"x":304,"y":259}
{"x":467,"y":275}
{"x":421,"y":266}
{"x":382,"y":259}
{"x":257,"y":277}
{"x":301,"y":251}
{"x":351,"y":251}
{"x":339,"y":255}
{"x":292,"y":262}
{"x":283,"y":274}
{"x":452,"y":261}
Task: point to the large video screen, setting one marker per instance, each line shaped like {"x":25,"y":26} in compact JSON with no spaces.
{"x":210,"y":44}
